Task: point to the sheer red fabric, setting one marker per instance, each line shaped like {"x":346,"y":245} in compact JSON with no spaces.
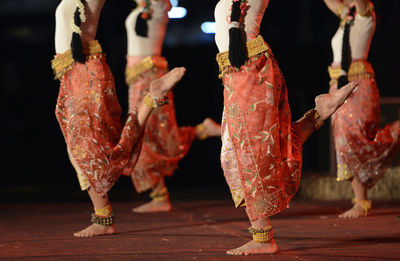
{"x":261,"y":154}
{"x":89,"y":116}
{"x":165,"y":144}
{"x":362,"y":148}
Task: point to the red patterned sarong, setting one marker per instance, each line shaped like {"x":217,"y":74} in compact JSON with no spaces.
{"x":362,"y":149}
{"x":261,"y":152}
{"x":165,"y":144}
{"x":89,"y":116}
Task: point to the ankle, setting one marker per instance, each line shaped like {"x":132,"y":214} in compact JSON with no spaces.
{"x":263,"y":235}
{"x":160,"y":195}
{"x":103,"y":216}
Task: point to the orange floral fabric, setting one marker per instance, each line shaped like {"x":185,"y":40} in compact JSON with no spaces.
{"x":362,"y":148}
{"x":164,"y":144}
{"x":261,"y":154}
{"x":89,"y":116}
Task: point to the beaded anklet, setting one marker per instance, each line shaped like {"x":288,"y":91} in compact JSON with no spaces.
{"x":103,"y":216}
{"x":263,"y":236}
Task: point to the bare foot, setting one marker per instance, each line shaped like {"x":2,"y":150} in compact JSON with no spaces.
{"x":96,"y":230}
{"x":208,"y":128}
{"x":355,"y":212}
{"x":326,"y":104}
{"x":160,"y":87}
{"x":254,"y":248}
{"x":154,"y":206}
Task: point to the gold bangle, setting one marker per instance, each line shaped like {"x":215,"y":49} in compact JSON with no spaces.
{"x":103,"y":212}
{"x":155,"y":102}
{"x":149,"y":101}
{"x":200,"y":130}
{"x":313,"y":116}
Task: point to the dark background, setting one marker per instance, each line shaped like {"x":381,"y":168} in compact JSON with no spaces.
{"x":34,"y":161}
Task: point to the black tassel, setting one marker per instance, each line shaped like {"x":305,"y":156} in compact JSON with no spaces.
{"x":141,"y":27}
{"x":76,"y":48}
{"x":342,"y":81}
{"x":76,"y":43}
{"x":346,"y":52}
{"x":237,"y":50}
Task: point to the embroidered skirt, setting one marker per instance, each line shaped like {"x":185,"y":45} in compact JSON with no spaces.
{"x":89,"y":116}
{"x":165,"y":144}
{"x":261,"y":151}
{"x":362,"y":148}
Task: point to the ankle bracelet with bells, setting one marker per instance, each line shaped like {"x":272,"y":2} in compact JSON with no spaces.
{"x":161,"y":195}
{"x":103,"y":216}
{"x":313,"y":116}
{"x":365,"y":204}
{"x":263,"y":236}
{"x":155,"y":102}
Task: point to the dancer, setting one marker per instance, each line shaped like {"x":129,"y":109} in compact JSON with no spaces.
{"x":88,"y":111}
{"x":363,"y":151}
{"x":165,"y":144}
{"x":261,"y":150}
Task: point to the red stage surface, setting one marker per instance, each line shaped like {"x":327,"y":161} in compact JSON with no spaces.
{"x":197,"y":230}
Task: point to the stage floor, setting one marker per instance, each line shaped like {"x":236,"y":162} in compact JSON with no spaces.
{"x":197,"y":230}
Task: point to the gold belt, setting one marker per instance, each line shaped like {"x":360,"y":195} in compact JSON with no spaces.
{"x":357,"y":70}
{"x":64,"y":61}
{"x":254,"y":47}
{"x":146,"y":64}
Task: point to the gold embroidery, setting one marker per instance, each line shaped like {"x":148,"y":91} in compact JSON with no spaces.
{"x":357,"y":70}
{"x":94,"y":96}
{"x":343,"y":173}
{"x":64,"y":61}
{"x":237,"y":196}
{"x":79,"y":152}
{"x":145,"y":65}
{"x":233,"y":110}
{"x":254,"y":47}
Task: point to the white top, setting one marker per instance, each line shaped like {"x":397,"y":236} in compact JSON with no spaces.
{"x":361,"y":33}
{"x":254,"y":14}
{"x":64,"y":17}
{"x":157,"y":26}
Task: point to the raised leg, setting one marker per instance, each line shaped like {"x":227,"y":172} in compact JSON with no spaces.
{"x":325,"y":105}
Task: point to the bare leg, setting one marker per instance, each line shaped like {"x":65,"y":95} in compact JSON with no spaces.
{"x":160,"y":201}
{"x":96,"y":229}
{"x":360,"y":192}
{"x":252,"y":247}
